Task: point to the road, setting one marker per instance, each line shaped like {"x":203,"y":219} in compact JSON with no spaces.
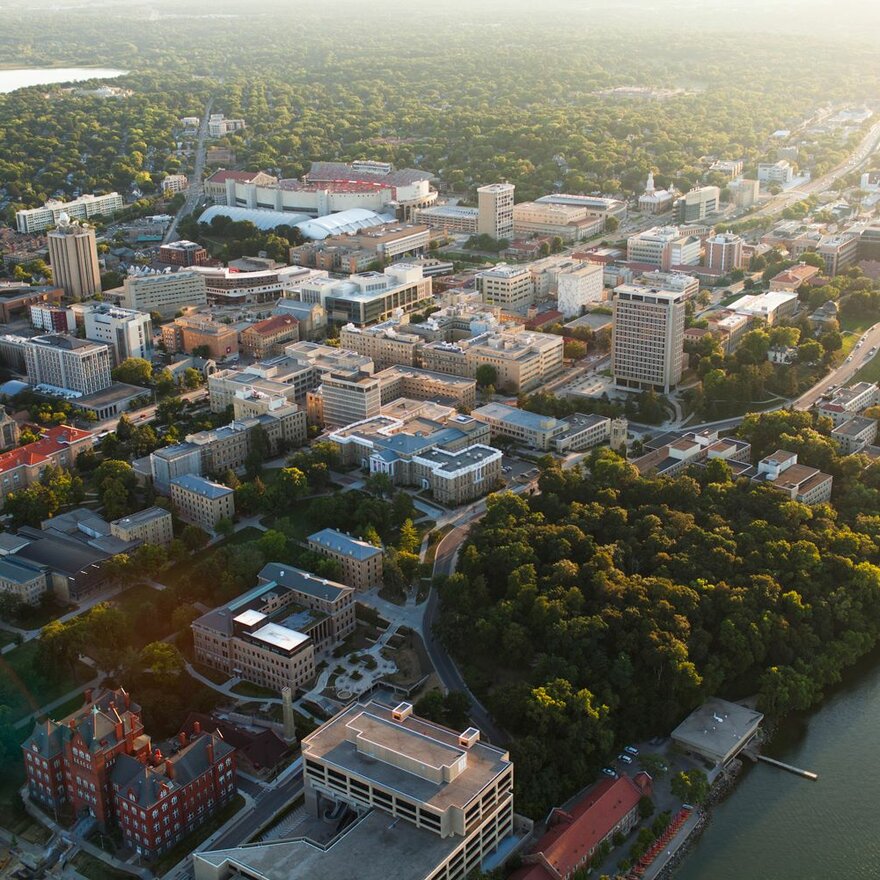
{"x":778,"y":203}
{"x":195,"y":189}
{"x":267,"y":804}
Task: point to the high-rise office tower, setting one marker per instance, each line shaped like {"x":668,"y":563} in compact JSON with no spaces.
{"x":495,"y":204}
{"x":73,"y":254}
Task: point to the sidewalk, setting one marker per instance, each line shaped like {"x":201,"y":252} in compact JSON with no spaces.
{"x":656,"y":867}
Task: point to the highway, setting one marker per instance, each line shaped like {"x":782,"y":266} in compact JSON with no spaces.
{"x":195,"y":189}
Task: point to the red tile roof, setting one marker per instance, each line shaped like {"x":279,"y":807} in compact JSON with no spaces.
{"x":53,"y":441}
{"x":551,"y":316}
{"x":569,"y":841}
{"x":274,"y":325}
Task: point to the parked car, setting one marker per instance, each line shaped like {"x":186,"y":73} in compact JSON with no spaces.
{"x":609,"y":771}
{"x":625,"y":758}
{"x":631,"y":750}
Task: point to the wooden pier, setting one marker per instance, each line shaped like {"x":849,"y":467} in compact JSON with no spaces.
{"x":807,"y":774}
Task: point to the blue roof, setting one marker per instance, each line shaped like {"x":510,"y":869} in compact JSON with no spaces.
{"x":200,"y":485}
{"x":342,"y":543}
{"x":19,"y":571}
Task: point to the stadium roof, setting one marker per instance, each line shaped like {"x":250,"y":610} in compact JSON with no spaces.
{"x":311,"y":227}
{"x":261,"y":219}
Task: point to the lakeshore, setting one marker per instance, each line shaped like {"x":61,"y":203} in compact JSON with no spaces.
{"x":24,"y":77}
{"x":781,"y":826}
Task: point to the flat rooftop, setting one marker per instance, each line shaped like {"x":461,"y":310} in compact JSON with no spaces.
{"x":413,"y":742}
{"x":718,"y":728}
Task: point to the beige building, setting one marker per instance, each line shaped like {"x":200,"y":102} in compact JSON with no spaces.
{"x":174,"y":183}
{"x":574,"y":433}
{"x":343,"y":398}
{"x":267,"y":338}
{"x":272,"y":634}
{"x":53,"y":212}
{"x":68,"y":362}
{"x":800,"y":482}
{"x":385,"y":344}
{"x":73,"y":254}
{"x":202,"y":501}
{"x":508,"y":287}
{"x":523,"y":360}
{"x":454,"y":219}
{"x":697,"y":204}
{"x":569,"y":222}
{"x":150,"y":526}
{"x":361,"y":562}
{"x":166,"y":292}
{"x":495,"y":206}
{"x":23,"y":579}
{"x":647,"y":347}
{"x":409,"y":382}
{"x":276,"y":377}
{"x":663,"y":246}
{"x":724,"y":252}
{"x":215,"y":185}
{"x":744,"y":192}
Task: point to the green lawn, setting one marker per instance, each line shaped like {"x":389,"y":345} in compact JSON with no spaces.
{"x":28,"y":689}
{"x":248,"y":689}
{"x":870,"y":372}
{"x":854,"y":325}
{"x":94,"y":869}
{"x":130,"y":599}
{"x":181,"y":572}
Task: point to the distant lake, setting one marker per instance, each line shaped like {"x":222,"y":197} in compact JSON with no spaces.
{"x":20,"y":78}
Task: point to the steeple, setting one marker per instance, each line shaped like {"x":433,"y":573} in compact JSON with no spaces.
{"x":649,"y":188}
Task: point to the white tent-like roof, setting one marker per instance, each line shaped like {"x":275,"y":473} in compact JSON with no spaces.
{"x":318,"y":228}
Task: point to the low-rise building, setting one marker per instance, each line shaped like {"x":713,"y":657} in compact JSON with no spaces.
{"x":267,"y":338}
{"x":663,"y":246}
{"x":151,"y":526}
{"x":202,"y":502}
{"x":846,"y":402}
{"x":571,"y":223}
{"x":200,"y":333}
{"x":779,"y":172}
{"x":770,"y":307}
{"x":508,"y":287}
{"x":361,"y":562}
{"x":671,"y":453}
{"x":164,"y":292}
{"x":800,"y":482}
{"x":717,"y":731}
{"x":215,"y":185}
{"x":53,"y":319}
{"x":574,"y":835}
{"x":29,"y":220}
{"x":58,"y":447}
{"x":386,"y":344}
{"x":415,"y":384}
{"x":449,"y":218}
{"x":22,"y":579}
{"x":855,"y":434}
{"x":272,"y":634}
{"x":572,"y":434}
{"x":183,"y":253}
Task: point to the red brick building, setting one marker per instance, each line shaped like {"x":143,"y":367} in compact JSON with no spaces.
{"x":573,"y":836}
{"x":266,"y":338}
{"x":70,"y":761}
{"x":99,"y":762}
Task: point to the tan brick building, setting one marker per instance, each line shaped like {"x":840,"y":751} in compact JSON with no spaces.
{"x":267,"y":338}
{"x":361,"y":562}
{"x":202,"y":502}
{"x":151,"y":526}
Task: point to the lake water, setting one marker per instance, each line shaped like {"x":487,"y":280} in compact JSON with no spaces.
{"x":777,"y":826}
{"x":18,"y":78}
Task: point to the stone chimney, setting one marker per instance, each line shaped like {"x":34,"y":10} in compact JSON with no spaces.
{"x":169,"y":768}
{"x":181,"y":737}
{"x":120,"y":733}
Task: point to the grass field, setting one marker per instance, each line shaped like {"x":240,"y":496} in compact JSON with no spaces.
{"x":248,"y":689}
{"x":94,"y":869}
{"x":28,"y":689}
{"x":870,"y":372}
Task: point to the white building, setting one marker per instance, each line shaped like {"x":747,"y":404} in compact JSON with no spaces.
{"x":779,"y":172}
{"x":647,"y":350}
{"x":129,"y":333}
{"x":219,"y":126}
{"x":578,"y":287}
{"x":38,"y":219}
{"x":174,"y":183}
{"x":495,"y":205}
{"x":66,"y":362}
{"x":653,"y":200}
{"x":663,"y":246}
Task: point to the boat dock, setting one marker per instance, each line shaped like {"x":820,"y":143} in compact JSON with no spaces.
{"x":807,"y":774}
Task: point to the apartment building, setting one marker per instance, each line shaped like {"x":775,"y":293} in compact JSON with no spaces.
{"x":663,"y":246}
{"x":495,"y":207}
{"x":183,"y":253}
{"x":802,"y":483}
{"x":271,"y":634}
{"x":369,"y":297}
{"x":579,"y":286}
{"x":426,"y":445}
{"x":150,"y":526}
{"x":189,"y":333}
{"x":53,"y":319}
{"x":839,"y":251}
{"x":166,"y":293}
{"x":779,"y":172}
{"x":267,"y":338}
{"x":173,"y":184}
{"x":523,"y":360}
{"x":697,"y":204}
{"x":855,"y":434}
{"x":844,"y":403}
{"x":67,"y":362}
{"x":417,"y":384}
{"x":508,"y":287}
{"x":22,"y":579}
{"x":361,"y":562}
{"x":219,"y":126}
{"x":217,"y":450}
{"x":732,"y":168}
{"x":647,"y":349}
{"x":201,"y":501}
{"x":724,"y":252}
{"x":386,"y":344}
{"x":73,"y":255}
{"x":278,"y":377}
{"x":571,"y":223}
{"x":127,"y":332}
{"x":30,"y":220}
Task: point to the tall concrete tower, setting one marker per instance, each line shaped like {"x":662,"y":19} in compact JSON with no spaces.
{"x":287,"y":709}
{"x":618,"y":435}
{"x":73,"y":253}
{"x":495,"y":204}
